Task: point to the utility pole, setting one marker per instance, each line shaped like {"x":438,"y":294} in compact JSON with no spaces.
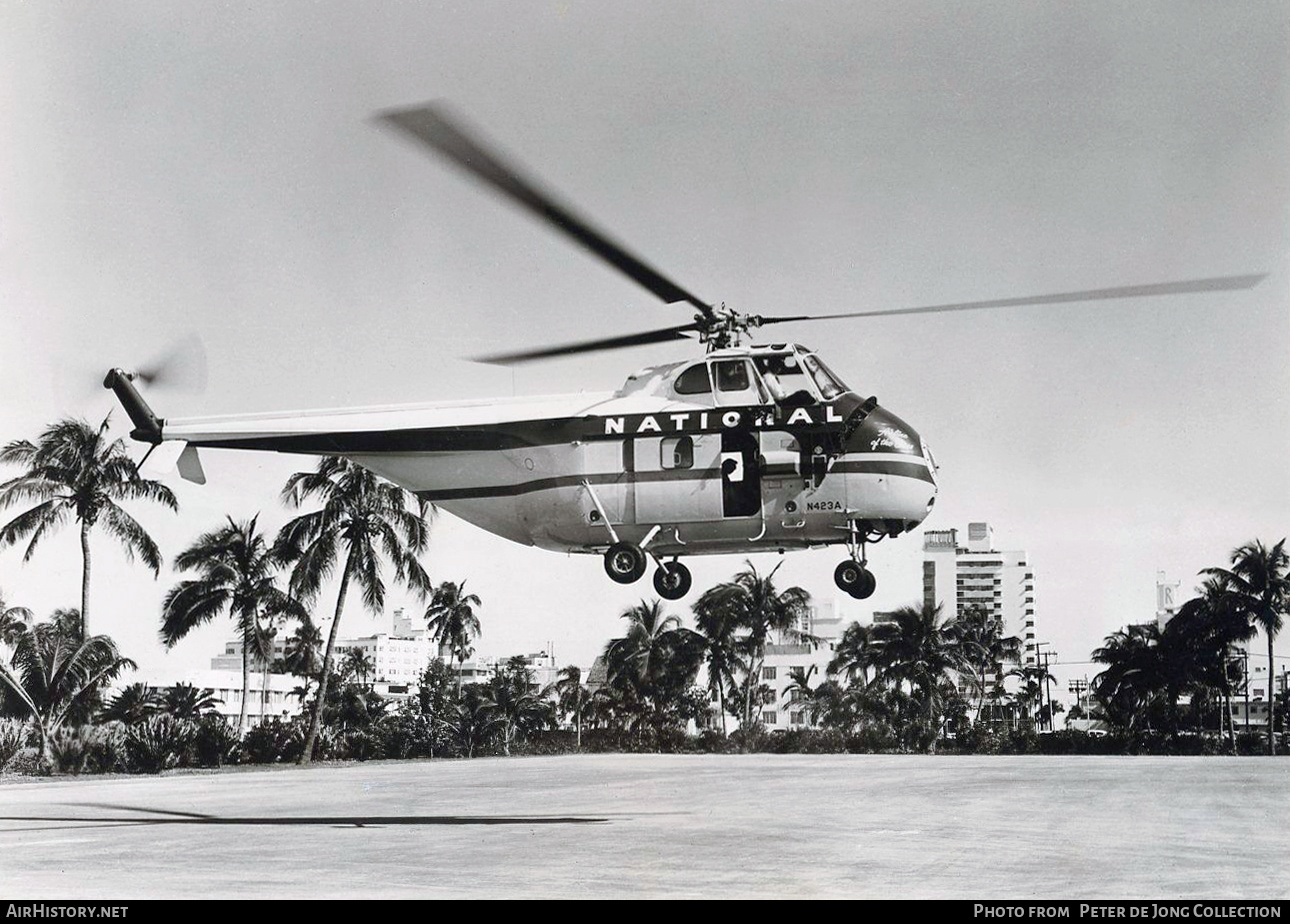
{"x":1079,"y":687}
{"x":1245,"y":677}
{"x":1041,"y":660}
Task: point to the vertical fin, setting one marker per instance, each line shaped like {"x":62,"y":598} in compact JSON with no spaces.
{"x":190,"y":465}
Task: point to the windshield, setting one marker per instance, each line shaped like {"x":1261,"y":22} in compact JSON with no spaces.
{"x":786,"y":379}
{"x":830,"y":385}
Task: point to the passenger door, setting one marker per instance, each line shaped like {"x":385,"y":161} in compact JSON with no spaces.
{"x":678,"y":478}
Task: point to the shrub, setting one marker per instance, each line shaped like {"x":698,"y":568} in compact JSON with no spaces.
{"x":549,"y":743}
{"x":872,"y":739}
{"x":215,"y":742}
{"x":89,"y":749}
{"x":13,"y":738}
{"x":806,"y":741}
{"x":274,"y":741}
{"x":711,"y":741}
{"x":26,"y":763}
{"x":360,"y":744}
{"x":1023,"y":740}
{"x":750,"y":738}
{"x":403,"y":735}
{"x":160,"y":742}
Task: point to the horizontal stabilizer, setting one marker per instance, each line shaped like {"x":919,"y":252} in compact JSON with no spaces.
{"x":167,"y":455}
{"x":162,"y":459}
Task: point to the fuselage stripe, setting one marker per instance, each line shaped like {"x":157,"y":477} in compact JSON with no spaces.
{"x":916,"y":470}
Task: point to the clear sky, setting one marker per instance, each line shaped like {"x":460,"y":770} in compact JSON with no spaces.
{"x":168,"y":169}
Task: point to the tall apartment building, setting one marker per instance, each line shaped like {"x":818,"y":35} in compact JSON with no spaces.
{"x":958,"y":575}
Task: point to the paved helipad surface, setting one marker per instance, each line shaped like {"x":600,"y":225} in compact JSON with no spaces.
{"x":695,"y":826}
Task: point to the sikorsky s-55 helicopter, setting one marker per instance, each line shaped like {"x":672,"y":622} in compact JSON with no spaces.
{"x":743,"y":449}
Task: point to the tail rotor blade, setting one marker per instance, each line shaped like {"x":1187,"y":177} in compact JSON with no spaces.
{"x":181,"y":367}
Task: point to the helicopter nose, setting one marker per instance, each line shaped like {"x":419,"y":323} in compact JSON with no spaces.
{"x":883,"y":432}
{"x":892,"y":475}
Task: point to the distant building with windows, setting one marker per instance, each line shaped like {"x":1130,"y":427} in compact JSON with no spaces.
{"x":811,"y":648}
{"x":277,"y":699}
{"x":399,"y":657}
{"x":958,"y":574}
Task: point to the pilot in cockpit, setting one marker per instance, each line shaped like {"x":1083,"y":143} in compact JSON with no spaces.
{"x":785,"y":380}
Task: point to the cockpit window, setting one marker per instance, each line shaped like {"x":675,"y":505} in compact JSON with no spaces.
{"x":694,"y":381}
{"x":829,"y":384}
{"x":787,"y":380}
{"x":732,"y":375}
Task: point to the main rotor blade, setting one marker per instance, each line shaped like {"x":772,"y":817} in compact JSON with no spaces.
{"x":434,"y":126}
{"x":1215,"y":284}
{"x":609,"y":343}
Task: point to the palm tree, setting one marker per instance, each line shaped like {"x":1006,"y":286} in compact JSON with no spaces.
{"x":13,"y":621}
{"x":1206,"y":628}
{"x":237,"y":576}
{"x":1259,"y":582}
{"x":853,"y":655}
{"x":985,"y":646}
{"x":655,"y":660}
{"x":58,"y":674}
{"x":571,"y":696}
{"x":302,"y":655}
{"x":363,"y":521}
{"x":752,"y":602}
{"x":514,"y":705}
{"x":1132,"y":682}
{"x":134,"y":703}
{"x":915,"y":647}
{"x":1035,"y":679}
{"x":452,"y":621}
{"x":358,"y":664}
{"x":472,"y":718}
{"x":799,"y":688}
{"x":74,"y":472}
{"x":718,"y":625}
{"x":185,"y":701}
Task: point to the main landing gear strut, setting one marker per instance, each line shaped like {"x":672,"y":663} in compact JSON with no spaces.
{"x":853,"y":575}
{"x":625,"y":563}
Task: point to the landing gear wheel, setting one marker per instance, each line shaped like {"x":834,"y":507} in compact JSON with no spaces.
{"x":625,"y":562}
{"x":855,"y":579}
{"x":672,"y":581}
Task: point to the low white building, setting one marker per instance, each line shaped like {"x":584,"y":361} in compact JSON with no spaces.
{"x":275,"y":701}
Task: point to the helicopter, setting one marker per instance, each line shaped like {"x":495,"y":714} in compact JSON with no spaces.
{"x":744,"y":448}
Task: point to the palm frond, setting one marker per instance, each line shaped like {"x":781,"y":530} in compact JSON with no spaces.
{"x":190,"y":604}
{"x":133,"y":537}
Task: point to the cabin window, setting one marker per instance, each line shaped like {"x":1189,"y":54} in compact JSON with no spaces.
{"x":694,"y":381}
{"x":677,"y":452}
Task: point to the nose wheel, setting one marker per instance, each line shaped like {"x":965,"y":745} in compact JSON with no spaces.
{"x":625,"y":563}
{"x":855,"y":579}
{"x":672,"y":580}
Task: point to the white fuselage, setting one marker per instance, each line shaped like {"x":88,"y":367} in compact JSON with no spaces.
{"x":694,"y":474}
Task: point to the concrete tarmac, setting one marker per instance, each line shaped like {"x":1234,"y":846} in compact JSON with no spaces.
{"x":626,"y":826}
